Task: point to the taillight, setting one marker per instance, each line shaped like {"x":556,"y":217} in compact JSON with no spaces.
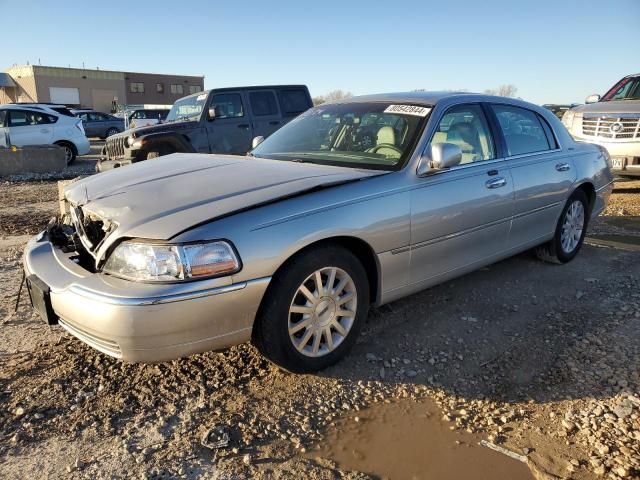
{"x":80,"y":127}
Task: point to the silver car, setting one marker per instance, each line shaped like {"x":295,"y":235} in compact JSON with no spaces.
{"x":352,"y":204}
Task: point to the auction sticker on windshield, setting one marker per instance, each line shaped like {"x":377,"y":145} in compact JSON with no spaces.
{"x":202,"y":96}
{"x":416,"y":110}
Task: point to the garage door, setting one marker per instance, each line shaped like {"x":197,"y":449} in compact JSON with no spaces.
{"x":102,"y":99}
{"x":64,"y":95}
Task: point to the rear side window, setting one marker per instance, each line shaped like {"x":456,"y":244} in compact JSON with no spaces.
{"x":522,"y":129}
{"x":294,"y":101}
{"x":263,"y":103}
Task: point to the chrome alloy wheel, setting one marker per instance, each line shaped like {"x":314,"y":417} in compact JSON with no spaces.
{"x":572,"y":227}
{"x":322,"y":311}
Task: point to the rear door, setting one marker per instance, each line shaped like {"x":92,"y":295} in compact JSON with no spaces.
{"x":230,"y":130}
{"x":542,"y":173}
{"x":460,"y":217}
{"x":265,"y":112}
{"x":30,"y":127}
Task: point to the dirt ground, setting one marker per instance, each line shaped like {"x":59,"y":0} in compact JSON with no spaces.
{"x":539,"y":359}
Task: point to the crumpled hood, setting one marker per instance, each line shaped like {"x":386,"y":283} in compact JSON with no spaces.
{"x":159,"y":198}
{"x":616,"y":106}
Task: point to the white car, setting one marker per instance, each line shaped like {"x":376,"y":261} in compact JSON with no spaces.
{"x":29,"y":125}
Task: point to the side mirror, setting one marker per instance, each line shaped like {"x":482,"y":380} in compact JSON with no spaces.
{"x":257,"y":141}
{"x":592,"y":98}
{"x":212,"y":113}
{"x":441,"y":156}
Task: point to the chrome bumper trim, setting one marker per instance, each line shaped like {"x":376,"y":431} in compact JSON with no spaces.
{"x":157,"y":300}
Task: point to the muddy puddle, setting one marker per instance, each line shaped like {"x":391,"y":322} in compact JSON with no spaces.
{"x":409,"y":440}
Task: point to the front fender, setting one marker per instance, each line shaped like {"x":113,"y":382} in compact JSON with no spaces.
{"x":172,"y":141}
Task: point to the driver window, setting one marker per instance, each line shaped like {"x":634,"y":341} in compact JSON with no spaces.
{"x":227,"y":105}
{"x":466,"y":127}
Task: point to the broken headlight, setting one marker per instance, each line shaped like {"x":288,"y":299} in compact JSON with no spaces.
{"x":149,"y":262}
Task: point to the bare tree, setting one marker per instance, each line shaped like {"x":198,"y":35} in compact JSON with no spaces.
{"x":331,"y":97}
{"x":508,"y":90}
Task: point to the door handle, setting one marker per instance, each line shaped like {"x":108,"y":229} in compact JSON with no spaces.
{"x":563,"y":167}
{"x":274,"y":122}
{"x":496,"y":182}
{"x":243,"y":125}
{"x":44,"y":130}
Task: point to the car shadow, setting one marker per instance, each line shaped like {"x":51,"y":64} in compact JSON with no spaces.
{"x":515,"y":331}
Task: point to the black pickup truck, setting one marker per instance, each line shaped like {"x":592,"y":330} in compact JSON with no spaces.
{"x":223,"y":120}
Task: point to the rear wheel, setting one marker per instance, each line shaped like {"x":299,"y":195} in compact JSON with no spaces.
{"x":313,"y":310}
{"x":570,"y":231}
{"x":70,"y":152}
{"x":112,"y":131}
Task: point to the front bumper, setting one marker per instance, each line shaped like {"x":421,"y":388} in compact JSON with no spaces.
{"x":143,"y":322}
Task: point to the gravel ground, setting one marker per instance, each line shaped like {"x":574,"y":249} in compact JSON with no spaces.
{"x":543,"y":360}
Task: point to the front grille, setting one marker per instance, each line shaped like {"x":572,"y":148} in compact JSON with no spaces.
{"x":611,"y":126}
{"x":115,"y":146}
{"x":106,"y":346}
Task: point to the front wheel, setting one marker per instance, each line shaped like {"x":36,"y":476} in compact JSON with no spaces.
{"x":313,"y":310}
{"x":111,"y":132}
{"x":570,"y":231}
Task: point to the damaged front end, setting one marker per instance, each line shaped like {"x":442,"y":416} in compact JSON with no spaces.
{"x":77,"y":230}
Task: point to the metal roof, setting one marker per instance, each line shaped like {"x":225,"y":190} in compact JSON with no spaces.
{"x":6,"y":80}
{"x":426,"y":98}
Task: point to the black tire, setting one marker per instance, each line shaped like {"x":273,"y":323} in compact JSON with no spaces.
{"x":111,"y":131}
{"x":158,"y":151}
{"x":553,"y":251}
{"x":270,"y":332}
{"x":70,"y":151}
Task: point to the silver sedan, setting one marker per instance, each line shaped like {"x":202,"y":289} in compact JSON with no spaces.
{"x":354,"y":203}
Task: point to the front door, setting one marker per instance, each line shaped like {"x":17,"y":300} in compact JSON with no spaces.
{"x":460,"y":217}
{"x":230,"y":130}
{"x":542,"y":174}
{"x":265,"y":112}
{"x":30,"y":127}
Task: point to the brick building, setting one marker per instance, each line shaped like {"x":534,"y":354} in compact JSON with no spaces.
{"x":98,"y":89}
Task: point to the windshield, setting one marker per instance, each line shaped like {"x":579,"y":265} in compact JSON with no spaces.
{"x":188,"y":108}
{"x":358,"y":135}
{"x":626,"y":89}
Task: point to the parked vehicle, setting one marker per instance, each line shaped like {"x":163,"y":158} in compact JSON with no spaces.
{"x":145,"y":117}
{"x":289,"y":246}
{"x":612,"y":121}
{"x":98,"y":124}
{"x":559,"y":110}
{"x":61,"y":109}
{"x":215,"y":121}
{"x":39,"y":125}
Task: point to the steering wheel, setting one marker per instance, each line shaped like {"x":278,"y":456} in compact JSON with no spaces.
{"x":385,"y":145}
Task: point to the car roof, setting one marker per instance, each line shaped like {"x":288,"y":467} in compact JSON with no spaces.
{"x":31,"y":106}
{"x":430,"y":99}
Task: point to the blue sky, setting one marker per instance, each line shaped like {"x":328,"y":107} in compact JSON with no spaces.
{"x":555,"y":51}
